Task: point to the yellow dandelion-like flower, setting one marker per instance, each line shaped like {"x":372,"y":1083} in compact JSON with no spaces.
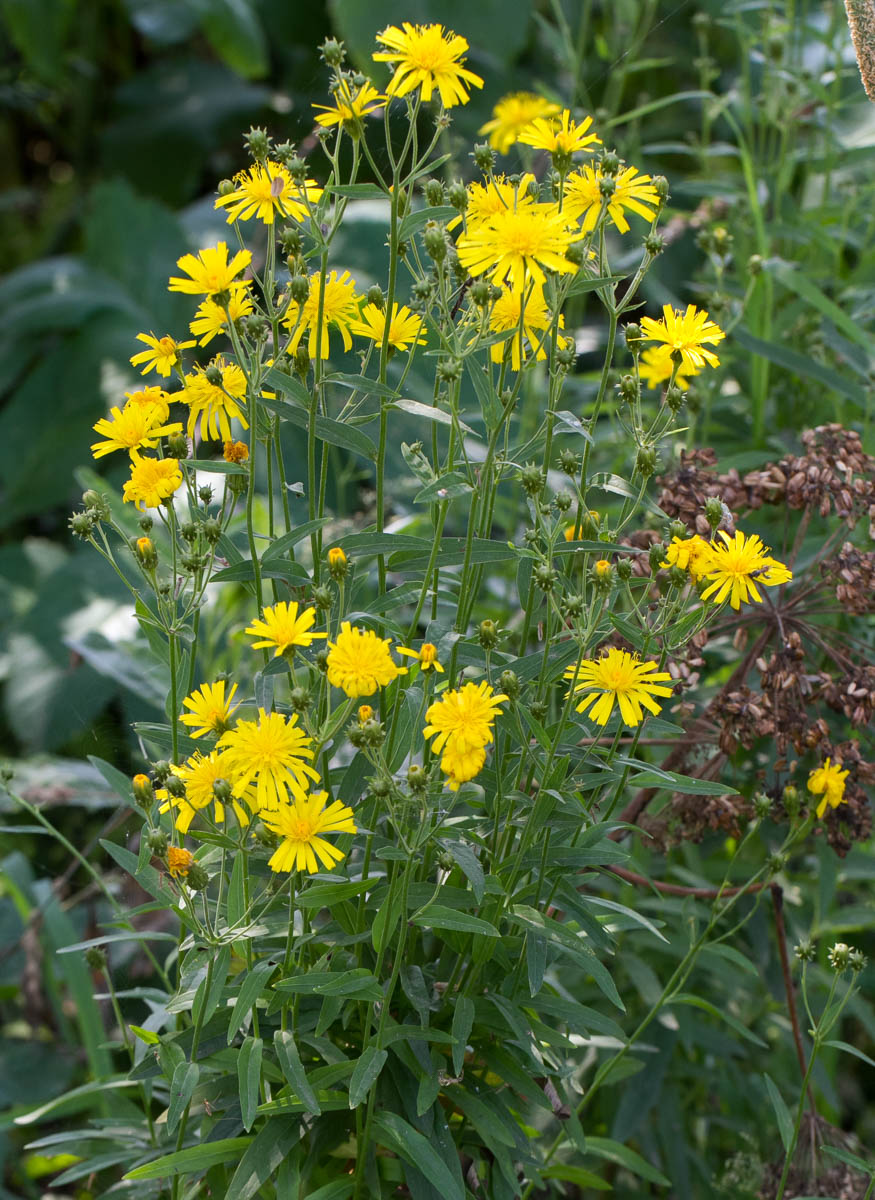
{"x":426,"y":656}
{"x":656,"y":367}
{"x":485,"y":200}
{"x":267,"y":189}
{"x":359,"y":662}
{"x":152,"y":481}
{"x":135,"y":427}
{"x":828,"y":781}
{"x":509,"y":314}
{"x":427,"y":57}
{"x":211,"y":318}
{"x":350,"y":106}
{"x":179,"y":861}
{"x":691,"y":554}
{"x":621,"y":678}
{"x":582,"y":197}
{"x":214,"y":403}
{"x":270,"y":754}
{"x":687,"y":333}
{"x":405,"y":327}
{"x":153,"y":398}
{"x":463,"y":716}
{"x":737,"y":566}
{"x":560,"y":135}
{"x":162,"y":355}
{"x":461,"y":765}
{"x":340,"y":308}
{"x":200,"y":773}
{"x":302,"y":825}
{"x":516,"y":244}
{"x":210,"y":271}
{"x":235,"y":452}
{"x":512,"y":114}
{"x":211,"y":709}
{"x":284,"y":626}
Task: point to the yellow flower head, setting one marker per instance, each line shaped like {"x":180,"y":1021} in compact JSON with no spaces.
{"x":350,"y":107}
{"x":340,"y":308}
{"x":512,"y":114}
{"x":560,"y":135}
{"x":517,"y":244}
{"x":360,"y":662}
{"x":405,"y":328}
{"x":426,"y":656}
{"x":179,"y":861}
{"x":461,"y":764}
{"x":235,"y":452}
{"x":463,"y":716}
{"x":284,"y":627}
{"x":135,"y":427}
{"x":622,"y":678}
{"x":582,"y":197}
{"x":427,"y":57}
{"x":214,"y":403}
{"x":365,"y":713}
{"x":270,"y":754}
{"x":828,"y":781}
{"x":691,"y":554}
{"x":151,"y":398}
{"x":486,"y":200}
{"x":200,"y":773}
{"x":687,"y":333}
{"x":738,"y":565}
{"x":211,"y":318}
{"x":210,"y":271}
{"x":521,"y":317}
{"x":268,"y":189}
{"x":336,"y":557}
{"x":602,"y":568}
{"x":152,"y":481}
{"x":656,"y":367}
{"x":211,"y":709}
{"x":162,"y":355}
{"x":301,"y":824}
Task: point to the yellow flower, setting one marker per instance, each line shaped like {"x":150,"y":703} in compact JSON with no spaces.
{"x":210,"y":271}
{"x":485,"y":200}
{"x":738,"y":565}
{"x":211,"y":319}
{"x":267,"y":189}
{"x":360,"y":662}
{"x":656,"y":367}
{"x":179,"y":861}
{"x":691,"y":554}
{"x":461,"y":764}
{"x":200,"y":773}
{"x":516,"y":244}
{"x":136,"y":427}
{"x":211,"y":710}
{"x":464,"y":717}
{"x":235,"y":452}
{"x":270,"y":754}
{"x":152,"y":481}
{"x":350,"y":106}
{"x":560,"y":135}
{"x":150,"y":398}
{"x":426,"y":656}
{"x":284,"y":627}
{"x":505,"y":316}
{"x":336,"y":557}
{"x":405,"y":328}
{"x":427,"y":58}
{"x":582,"y":197}
{"x":365,"y":713}
{"x":301,"y":825}
{"x":687,"y":333}
{"x":622,"y":678}
{"x":828,"y":781}
{"x":602,"y":568}
{"x":340,"y":308}
{"x":512,"y":114}
{"x":214,"y":403}
{"x":162,"y":355}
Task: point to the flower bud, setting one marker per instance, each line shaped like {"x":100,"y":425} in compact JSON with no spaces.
{"x":175,"y":786}
{"x":212,"y":531}
{"x":188,"y":531}
{"x":654,"y":244}
{"x":484,"y":157}
{"x":435,"y":242}
{"x":715,"y":511}
{"x":602,"y":575}
{"x":755,"y":264}
{"x":226,"y":187}
{"x":178,"y":445}
{"x":509,"y":683}
{"x":776,"y":863}
{"x":674,"y":398}
{"x":81,"y":525}
{"x":607,"y":186}
{"x":677,"y":577}
{"x":628,"y":388}
{"x":365,"y":713}
{"x":376,"y":297}
{"x":839,"y":956}
{"x":856,"y":960}
{"x":545,"y":576}
{"x":564,"y":501}
{"x":338,"y":564}
{"x":434,"y":193}
{"x":481,"y":293}
{"x":222,"y":791}
{"x":197,"y":878}
{"x":97,"y":505}
{"x":144,"y":794}
{"x":290,"y":240}
{"x":487,"y":634}
{"x":95,"y":957}
{"x":299,"y":289}
{"x":322,"y":661}
{"x":677,"y":529}
{"x":573,"y":606}
{"x":532,"y":478}
{"x":322,"y":597}
{"x":263,"y":835}
{"x":356,"y":735}
{"x":790,"y":797}
{"x":624,"y":569}
{"x":566,"y":357}
{"x":762,"y":805}
{"x":205,"y":494}
{"x":300,"y":699}
{"x":332,"y":52}
{"x":417,"y":779}
{"x":297,"y":168}
{"x":302,"y":360}
{"x":805,"y":950}
{"x":645,"y":461}
{"x":660,"y":185}
{"x":538,"y":709}
{"x":575,"y":253}
{"x":610,"y":163}
{"x":655,"y":555}
{"x":380,"y":786}
{"x":569,"y":462}
{"x":157,"y":841}
{"x":632,"y":333}
{"x":161,"y":770}
{"x":145,"y":522}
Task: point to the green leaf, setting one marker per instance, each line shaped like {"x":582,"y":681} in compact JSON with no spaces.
{"x":616,"y":1152}
{"x":687,"y":785}
{"x":264,"y":1157}
{"x":365,"y":1075}
{"x":323,"y":895}
{"x":446,"y":487}
{"x":336,"y":433}
{"x":800,"y":364}
{"x":213,"y":466}
{"x":848,"y":1049}
{"x":293,"y":1070}
{"x":233,"y":30}
{"x":426,"y":412}
{"x":194,"y":1159}
{"x":469,"y":863}
{"x":782,"y":1112}
{"x":248,"y":1078}
{"x":250,"y":990}
{"x":145,"y":1035}
{"x":395,"y":1134}
{"x":358,"y":982}
{"x":438,"y":916}
{"x":845,"y":1156}
{"x":720,"y":1014}
{"x":70,"y":1101}
{"x":182,"y":1086}
{"x":463,"y":1023}
{"x":797,"y":280}
{"x":416,"y":221}
{"x":209,"y":992}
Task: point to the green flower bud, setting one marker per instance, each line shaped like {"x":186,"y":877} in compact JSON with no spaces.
{"x":222,"y":791}
{"x":629,"y":388}
{"x":573,"y":606}
{"x":322,"y":661}
{"x":538,"y":709}
{"x":257,"y":143}
{"x":290,"y":240}
{"x":610,"y":163}
{"x":839,"y":956}
{"x":197,"y":877}
{"x":532,"y":478}
{"x":157,"y":842}
{"x":332,"y":52}
{"x":226,"y":187}
{"x":660,"y":185}
{"x":376,"y":297}
{"x":624,"y":569}
{"x":569,"y":462}
{"x":299,"y":289}
{"x":654,"y":244}
{"x":632,"y":333}
{"x":508,"y":682}
{"x":805,"y":950}
{"x":645,"y":461}
{"x":95,"y":957}
{"x":417,"y":778}
{"x":484,"y":157}
{"x":564,"y":501}
{"x":655,"y":555}
{"x":434,"y":193}
{"x":435,"y":242}
{"x":81,"y":525}
{"x":299,"y":699}
{"x":175,"y":786}
{"x":545,"y":576}
{"x":481,"y":293}
{"x":487,"y":635}
{"x":178,"y":445}
{"x":715,"y":511}
{"x":322,"y":597}
{"x":762,"y":805}
{"x":380,"y":787}
{"x":97,"y":505}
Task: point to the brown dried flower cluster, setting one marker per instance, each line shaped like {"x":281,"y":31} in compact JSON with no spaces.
{"x":853,"y":572}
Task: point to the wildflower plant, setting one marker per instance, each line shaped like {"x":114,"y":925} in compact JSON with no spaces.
{"x":392,"y":841}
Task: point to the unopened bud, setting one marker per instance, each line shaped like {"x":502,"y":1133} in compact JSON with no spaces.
{"x":509,"y":683}
{"x":714,"y":510}
{"x":332,"y":52}
{"x":299,"y":698}
{"x":839,"y":956}
{"x":197,"y":878}
{"x":338,"y":564}
{"x":95,"y":957}
{"x":434,"y":241}
{"x":157,"y":841}
{"x":417,"y":778}
{"x":487,"y":634}
{"x":484,"y":157}
{"x":545,"y":577}
{"x":82,"y":525}
{"x":178,"y":445}
{"x":569,"y":462}
{"x":144,"y":793}
{"x":805,"y":950}
{"x":322,"y":597}
{"x":532,"y":478}
{"x":645,"y":461}
{"x":375,"y":296}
